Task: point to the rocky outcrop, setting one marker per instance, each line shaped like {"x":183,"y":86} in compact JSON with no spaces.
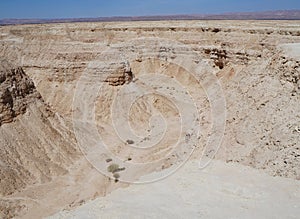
{"x":17,"y":90}
{"x":289,"y":71}
{"x":218,"y":56}
{"x":35,"y":144}
{"x":120,"y":76}
{"x":260,"y":85}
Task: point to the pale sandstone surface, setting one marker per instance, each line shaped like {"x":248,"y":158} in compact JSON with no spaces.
{"x":222,"y":190}
{"x":42,"y":168}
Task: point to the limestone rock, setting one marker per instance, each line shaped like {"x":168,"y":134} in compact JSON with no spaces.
{"x":17,"y":90}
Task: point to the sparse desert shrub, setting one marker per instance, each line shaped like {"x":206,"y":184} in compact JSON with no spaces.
{"x":108,"y":160}
{"x":113,"y":168}
{"x":130,"y":141}
{"x":116,"y":175}
{"x":120,"y":169}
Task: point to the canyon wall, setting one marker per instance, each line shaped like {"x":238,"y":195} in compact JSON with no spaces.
{"x":42,"y":65}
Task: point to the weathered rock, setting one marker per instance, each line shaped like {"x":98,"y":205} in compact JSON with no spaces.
{"x":38,"y":144}
{"x":29,"y":132}
{"x":120,"y":76}
{"x":17,"y":90}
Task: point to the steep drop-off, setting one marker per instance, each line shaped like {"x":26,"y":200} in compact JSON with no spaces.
{"x":36,"y":145}
{"x":39,"y":151}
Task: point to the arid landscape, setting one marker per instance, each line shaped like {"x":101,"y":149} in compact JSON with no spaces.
{"x":89,"y":111}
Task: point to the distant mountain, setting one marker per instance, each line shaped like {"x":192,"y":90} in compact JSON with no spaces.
{"x":266,"y":15}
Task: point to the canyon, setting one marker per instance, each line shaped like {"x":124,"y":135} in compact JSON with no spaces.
{"x":88,"y":108}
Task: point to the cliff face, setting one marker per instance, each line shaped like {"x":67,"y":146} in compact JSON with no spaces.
{"x":17,"y":91}
{"x":29,"y":133}
{"x":37,"y":143}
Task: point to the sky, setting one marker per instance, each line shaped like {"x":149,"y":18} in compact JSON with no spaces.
{"x":107,"y":8}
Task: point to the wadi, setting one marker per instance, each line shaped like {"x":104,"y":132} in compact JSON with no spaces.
{"x":96,"y":117}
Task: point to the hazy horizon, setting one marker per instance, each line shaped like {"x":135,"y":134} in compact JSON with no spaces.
{"x":32,"y":9}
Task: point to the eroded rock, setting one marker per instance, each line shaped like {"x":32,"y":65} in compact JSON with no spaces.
{"x":17,"y":90}
{"x":120,"y":76}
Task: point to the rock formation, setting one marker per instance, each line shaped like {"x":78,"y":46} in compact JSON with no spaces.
{"x":39,"y":155}
{"x":17,"y":91}
{"x":36,"y":146}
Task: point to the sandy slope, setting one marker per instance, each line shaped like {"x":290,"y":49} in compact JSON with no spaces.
{"x":219,"y":191}
{"x":260,"y":83}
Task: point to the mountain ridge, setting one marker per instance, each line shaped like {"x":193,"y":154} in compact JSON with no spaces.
{"x":261,"y":15}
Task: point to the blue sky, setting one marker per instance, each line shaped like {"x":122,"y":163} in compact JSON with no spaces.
{"x":103,"y":8}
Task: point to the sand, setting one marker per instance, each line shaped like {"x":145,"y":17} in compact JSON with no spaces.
{"x":219,"y":191}
{"x":132,"y":85}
